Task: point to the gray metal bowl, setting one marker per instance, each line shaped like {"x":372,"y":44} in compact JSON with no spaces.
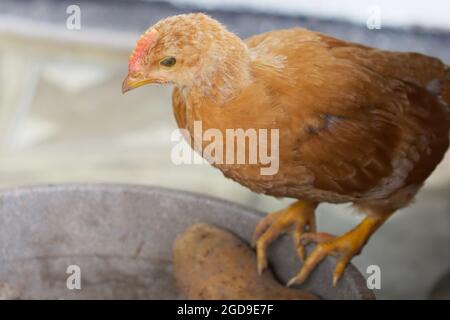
{"x":121,"y":237}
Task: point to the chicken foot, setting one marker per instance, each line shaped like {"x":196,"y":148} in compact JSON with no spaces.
{"x":298,"y":217}
{"x":344,"y":247}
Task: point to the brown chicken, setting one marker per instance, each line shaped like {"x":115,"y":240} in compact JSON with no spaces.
{"x":356,"y":124}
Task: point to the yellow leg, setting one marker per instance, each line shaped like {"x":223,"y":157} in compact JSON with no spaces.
{"x":345,"y":247}
{"x":299,"y":217}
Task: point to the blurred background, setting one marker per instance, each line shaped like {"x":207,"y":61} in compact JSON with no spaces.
{"x":63,"y":117}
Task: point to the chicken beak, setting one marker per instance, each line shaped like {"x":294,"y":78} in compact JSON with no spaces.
{"x":130,"y":83}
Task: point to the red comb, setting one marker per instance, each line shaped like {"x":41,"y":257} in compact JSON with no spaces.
{"x":144,"y":42}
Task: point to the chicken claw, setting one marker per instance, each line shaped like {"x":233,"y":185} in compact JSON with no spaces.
{"x":299,"y":217}
{"x":344,"y":247}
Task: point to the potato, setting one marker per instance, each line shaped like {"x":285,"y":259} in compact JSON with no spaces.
{"x":211,"y":263}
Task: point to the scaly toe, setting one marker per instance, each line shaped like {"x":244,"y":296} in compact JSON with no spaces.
{"x":299,"y":215}
{"x":263,"y":225}
{"x":318,"y":254}
{"x":261,"y":258}
{"x":273,"y":232}
{"x":340,"y":268}
{"x":305,"y":224}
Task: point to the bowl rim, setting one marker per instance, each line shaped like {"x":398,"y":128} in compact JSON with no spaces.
{"x":355,"y":277}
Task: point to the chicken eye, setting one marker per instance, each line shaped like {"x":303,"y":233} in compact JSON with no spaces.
{"x":168,"y":62}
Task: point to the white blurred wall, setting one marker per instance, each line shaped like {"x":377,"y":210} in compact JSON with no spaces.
{"x":398,"y":13}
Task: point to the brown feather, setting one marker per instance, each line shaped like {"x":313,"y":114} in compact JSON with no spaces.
{"x":356,"y":123}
